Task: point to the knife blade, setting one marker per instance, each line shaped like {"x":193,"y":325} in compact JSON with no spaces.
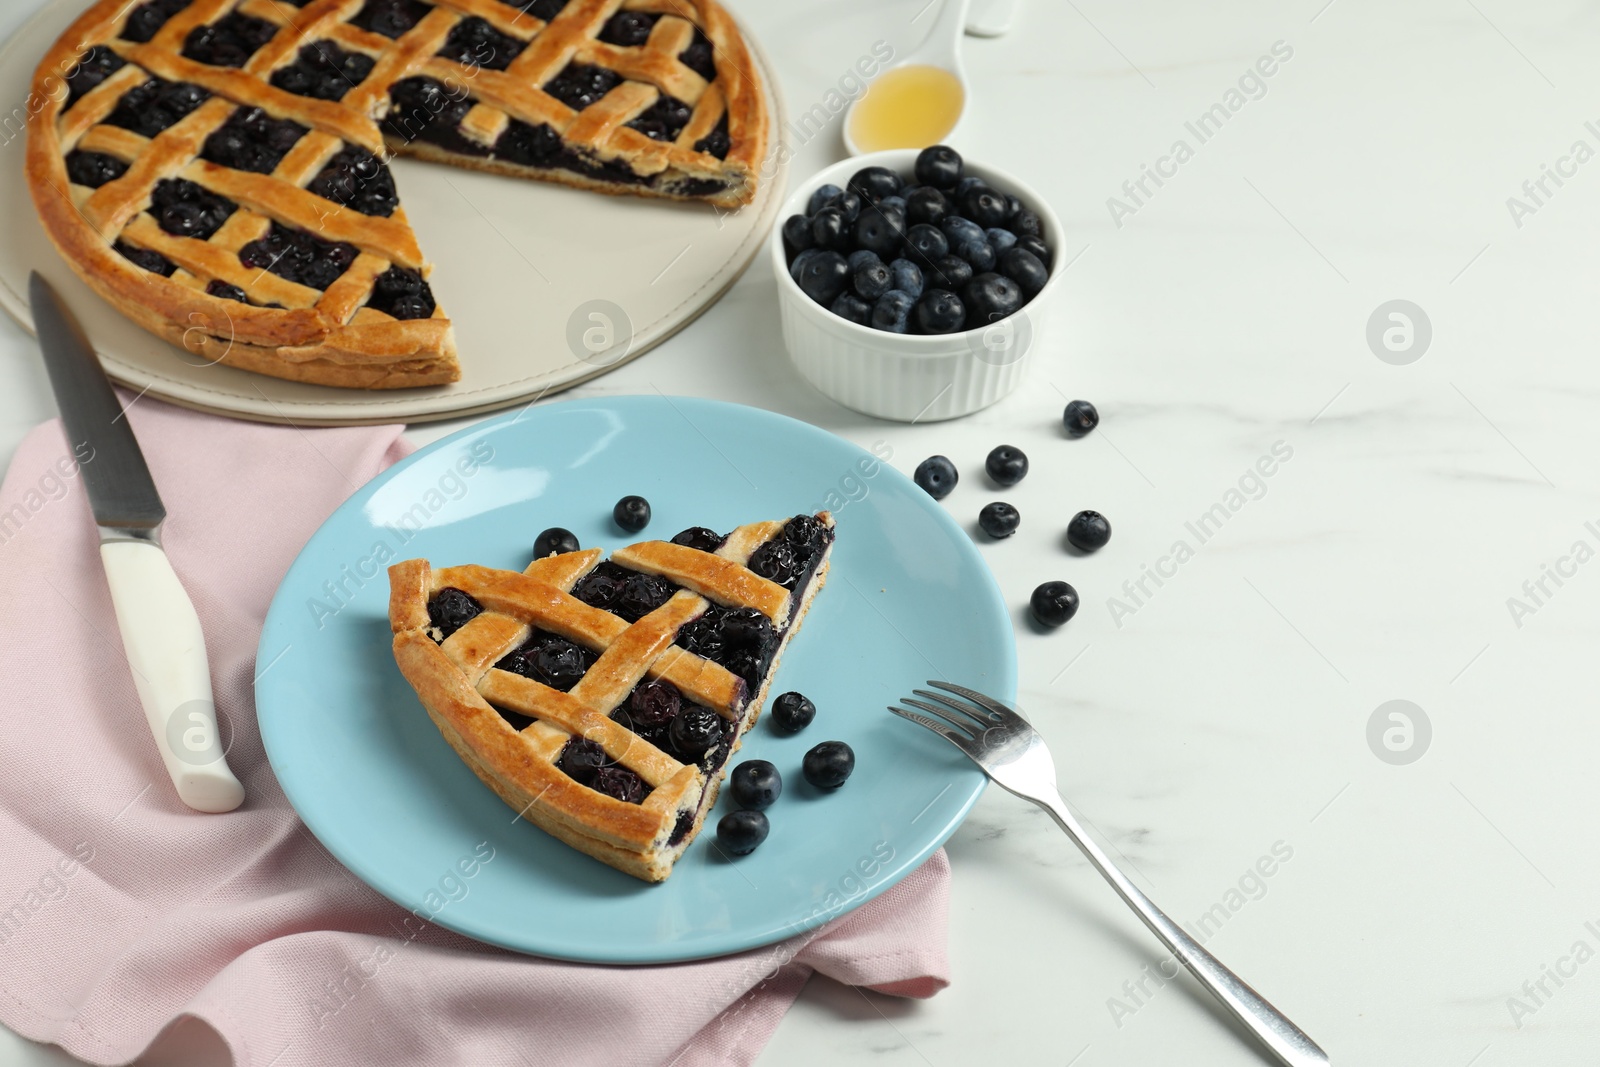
{"x":161,"y":632}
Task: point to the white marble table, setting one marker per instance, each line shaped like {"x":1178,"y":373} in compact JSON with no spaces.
{"x":1219,"y":719}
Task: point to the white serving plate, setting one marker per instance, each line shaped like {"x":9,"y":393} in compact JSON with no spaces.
{"x":523,"y":268}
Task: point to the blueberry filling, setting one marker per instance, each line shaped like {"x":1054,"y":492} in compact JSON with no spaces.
{"x":662,"y":120}
{"x":154,"y":262}
{"x":401,"y":293}
{"x":425,"y":109}
{"x":531,"y":146}
{"x":628,"y":29}
{"x":323,"y":70}
{"x":93,"y":169}
{"x":581,"y":84}
{"x":699,"y":537}
{"x":184,"y":209}
{"x":586,"y":762}
{"x":518,"y":721}
{"x":699,"y":187}
{"x":544,"y":9}
{"x":360,"y":181}
{"x":540,"y":146}
{"x":680,"y":829}
{"x":698,"y":56}
{"x":146,"y":19}
{"x":742,"y":640}
{"x":629,"y":594}
{"x":390,"y":17}
{"x":552,"y":660}
{"x":251,"y":140}
{"x":228,"y":42}
{"x":150,"y":108}
{"x":94,"y":67}
{"x":716,"y":142}
{"x":475,"y":43}
{"x":217,"y":287}
{"x":450,"y":610}
{"x":299,"y":257}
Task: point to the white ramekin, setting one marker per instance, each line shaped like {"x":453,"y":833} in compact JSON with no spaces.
{"x":910,"y":377}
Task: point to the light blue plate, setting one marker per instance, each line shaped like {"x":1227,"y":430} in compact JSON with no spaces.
{"x":908,"y":599}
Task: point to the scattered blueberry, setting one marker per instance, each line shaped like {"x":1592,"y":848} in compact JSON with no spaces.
{"x":892,"y":312}
{"x":792,"y":712}
{"x":755,"y":784}
{"x":632,"y":513}
{"x":939,"y":166}
{"x":849,"y":306}
{"x":1088,"y":531}
{"x":937,"y":476}
{"x":939,"y":311}
{"x":999,"y":519}
{"x":1079,"y":418}
{"x":872,"y":184}
{"x":741,"y":832}
{"x":828,"y":765}
{"x":554,"y":541}
{"x":824,"y":196}
{"x":1006,"y":465}
{"x":1053,"y":603}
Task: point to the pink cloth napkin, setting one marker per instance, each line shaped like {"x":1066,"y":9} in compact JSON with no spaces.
{"x":121,"y":910}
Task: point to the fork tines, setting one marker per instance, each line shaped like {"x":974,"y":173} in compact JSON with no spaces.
{"x":962,"y":722}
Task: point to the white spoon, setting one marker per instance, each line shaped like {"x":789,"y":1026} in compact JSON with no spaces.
{"x":921,"y":99}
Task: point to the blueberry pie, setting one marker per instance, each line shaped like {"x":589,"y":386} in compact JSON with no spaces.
{"x":602,"y":700}
{"x":216,"y":168}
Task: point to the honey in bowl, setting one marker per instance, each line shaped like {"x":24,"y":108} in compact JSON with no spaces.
{"x":908,"y":107}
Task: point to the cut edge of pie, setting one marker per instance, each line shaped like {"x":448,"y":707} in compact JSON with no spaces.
{"x":458,"y":681}
{"x":328,"y":335}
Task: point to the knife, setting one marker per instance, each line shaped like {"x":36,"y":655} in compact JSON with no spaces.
{"x":160,"y":630}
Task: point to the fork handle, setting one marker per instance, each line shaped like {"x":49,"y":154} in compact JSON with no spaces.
{"x":1276,"y":1032}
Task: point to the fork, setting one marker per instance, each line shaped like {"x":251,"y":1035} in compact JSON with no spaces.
{"x":1013,"y":754}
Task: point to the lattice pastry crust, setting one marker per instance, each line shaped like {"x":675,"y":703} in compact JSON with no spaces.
{"x":648,"y":123}
{"x":461,"y":687}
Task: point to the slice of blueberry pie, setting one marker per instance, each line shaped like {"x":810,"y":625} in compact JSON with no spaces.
{"x":216,"y":168}
{"x":602,"y":699}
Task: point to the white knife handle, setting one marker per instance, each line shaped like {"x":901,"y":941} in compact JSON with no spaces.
{"x":167,"y":652}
